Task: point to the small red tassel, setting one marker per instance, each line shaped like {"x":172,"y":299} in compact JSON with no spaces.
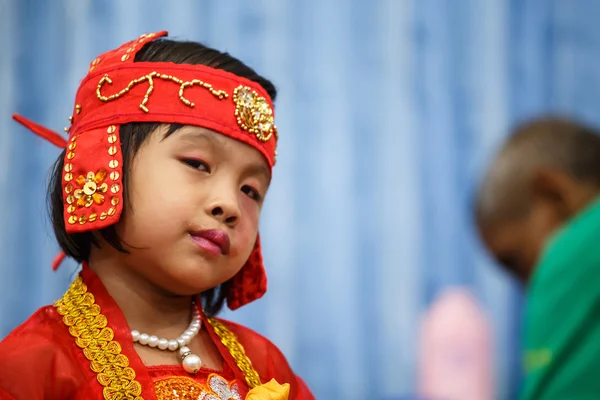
{"x":58,"y":260}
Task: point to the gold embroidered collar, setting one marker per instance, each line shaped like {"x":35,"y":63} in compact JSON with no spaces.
{"x":92,"y":333}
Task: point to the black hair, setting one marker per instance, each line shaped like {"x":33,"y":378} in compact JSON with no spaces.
{"x":133,"y":136}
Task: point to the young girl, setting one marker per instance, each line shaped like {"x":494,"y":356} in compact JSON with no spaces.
{"x":158,"y":194}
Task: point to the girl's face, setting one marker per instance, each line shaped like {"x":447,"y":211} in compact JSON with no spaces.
{"x":194,"y":203}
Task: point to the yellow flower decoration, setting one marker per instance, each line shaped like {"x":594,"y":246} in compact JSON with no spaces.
{"x":92,"y":187}
{"x":270,"y":391}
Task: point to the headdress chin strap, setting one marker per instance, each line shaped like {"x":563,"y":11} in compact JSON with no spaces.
{"x":118,"y":91}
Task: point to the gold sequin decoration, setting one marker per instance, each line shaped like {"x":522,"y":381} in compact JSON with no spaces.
{"x":220,"y":94}
{"x":145,"y":36}
{"x":113,"y":163}
{"x":111,"y":129}
{"x":112,"y":150}
{"x":103,"y":216}
{"x":112,"y":211}
{"x":71,"y":209}
{"x":72,"y":219}
{"x":78,"y":108}
{"x":88,"y":326}
{"x":112,"y":139}
{"x":93,"y":217}
{"x":254,"y":114}
{"x":94,"y":64}
{"x":237,"y":351}
{"x":71,"y":154}
{"x":82,"y":219}
{"x":91,"y":189}
{"x":114,"y":201}
{"x":185,"y":388}
{"x":125,"y":57}
{"x":68,"y":188}
{"x":68,"y":177}
{"x":179,"y":387}
{"x":114,"y":175}
{"x":68,"y":167}
{"x":115,"y":188}
{"x":70,"y":199}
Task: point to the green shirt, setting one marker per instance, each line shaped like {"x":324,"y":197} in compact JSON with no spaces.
{"x":562,"y":318}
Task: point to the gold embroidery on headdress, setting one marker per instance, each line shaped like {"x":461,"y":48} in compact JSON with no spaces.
{"x":220,"y":94}
{"x":92,"y":188}
{"x":253,"y":113}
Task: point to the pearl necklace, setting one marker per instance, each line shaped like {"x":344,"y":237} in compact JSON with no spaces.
{"x":191,"y":362}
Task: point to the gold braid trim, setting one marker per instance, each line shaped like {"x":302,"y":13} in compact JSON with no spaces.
{"x":87,"y":325}
{"x":237,"y":351}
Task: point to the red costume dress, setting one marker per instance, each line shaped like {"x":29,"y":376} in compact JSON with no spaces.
{"x":82,"y":347}
{"x":94,"y":359}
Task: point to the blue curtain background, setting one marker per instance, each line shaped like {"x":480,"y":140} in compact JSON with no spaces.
{"x":388,"y":112}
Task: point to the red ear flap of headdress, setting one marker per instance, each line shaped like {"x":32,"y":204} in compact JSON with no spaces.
{"x":250,"y":283}
{"x":92,"y":179}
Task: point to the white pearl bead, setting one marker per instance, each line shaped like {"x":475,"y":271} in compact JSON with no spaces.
{"x":163,"y":344}
{"x":135,"y":335}
{"x":144,"y":338}
{"x":173,"y":345}
{"x":184,"y":350}
{"x":192,"y":364}
{"x":192,"y":331}
{"x":189,"y":332}
{"x":195,"y":324}
{"x":186,"y":338}
{"x":181,"y":342}
{"x":153,"y":341}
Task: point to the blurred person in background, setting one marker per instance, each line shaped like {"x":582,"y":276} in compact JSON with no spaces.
{"x":538,"y":213}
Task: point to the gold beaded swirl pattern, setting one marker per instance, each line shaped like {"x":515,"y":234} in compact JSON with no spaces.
{"x":220,"y":94}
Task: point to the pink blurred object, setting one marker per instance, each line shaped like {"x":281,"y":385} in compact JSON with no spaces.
{"x":455,"y":354}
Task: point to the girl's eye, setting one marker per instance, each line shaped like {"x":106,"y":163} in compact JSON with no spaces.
{"x":196,"y":164}
{"x":252,"y":193}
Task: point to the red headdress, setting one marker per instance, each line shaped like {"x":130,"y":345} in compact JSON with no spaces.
{"x":117,"y":91}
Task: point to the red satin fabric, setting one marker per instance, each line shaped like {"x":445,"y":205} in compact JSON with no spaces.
{"x":40,"y":360}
